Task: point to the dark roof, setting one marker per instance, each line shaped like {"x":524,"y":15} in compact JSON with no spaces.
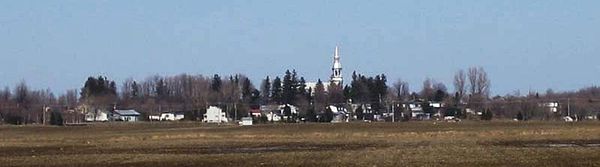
{"x":127,"y":112}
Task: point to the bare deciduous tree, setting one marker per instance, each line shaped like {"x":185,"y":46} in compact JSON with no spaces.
{"x":427,"y":91}
{"x":459,"y":84}
{"x":483,"y":83}
{"x":479,"y":83}
{"x":401,"y":90}
{"x":472,"y":74}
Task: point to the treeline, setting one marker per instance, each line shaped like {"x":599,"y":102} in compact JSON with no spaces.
{"x":364,"y":96}
{"x":22,"y":105}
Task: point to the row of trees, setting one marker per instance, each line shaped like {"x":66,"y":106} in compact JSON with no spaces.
{"x":24,"y":106}
{"x":238,"y":95}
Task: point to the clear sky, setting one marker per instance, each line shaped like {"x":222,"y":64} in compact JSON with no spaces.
{"x":522,"y":44}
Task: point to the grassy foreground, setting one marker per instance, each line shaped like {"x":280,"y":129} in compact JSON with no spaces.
{"x":350,"y":144}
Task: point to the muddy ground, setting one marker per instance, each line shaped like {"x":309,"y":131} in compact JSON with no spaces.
{"x":353,"y":144}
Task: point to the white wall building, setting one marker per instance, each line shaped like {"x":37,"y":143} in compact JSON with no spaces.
{"x":98,"y":116}
{"x":551,"y":106}
{"x":215,"y":115}
{"x":246,"y":121}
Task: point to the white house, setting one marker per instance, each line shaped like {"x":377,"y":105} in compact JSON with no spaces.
{"x":293,"y":110}
{"x":551,"y":106}
{"x":214,"y":115}
{"x":340,"y":114}
{"x":97,"y":116}
{"x":277,"y":112}
{"x":246,"y":121}
{"x":436,"y":105}
{"x":126,"y":115}
{"x":171,"y":116}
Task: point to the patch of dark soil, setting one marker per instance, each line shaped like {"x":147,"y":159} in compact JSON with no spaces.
{"x":81,"y":150}
{"x":548,"y":143}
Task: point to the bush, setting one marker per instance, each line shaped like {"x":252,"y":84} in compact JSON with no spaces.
{"x":520,"y":116}
{"x":311,"y":116}
{"x":359,"y":113}
{"x":56,"y":118}
{"x":487,"y":115}
{"x":13,"y":119}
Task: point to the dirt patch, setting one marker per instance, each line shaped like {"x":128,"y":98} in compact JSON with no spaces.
{"x":548,"y":143}
{"x":80,"y":150}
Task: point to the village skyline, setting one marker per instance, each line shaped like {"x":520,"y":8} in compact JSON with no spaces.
{"x":523,"y":46}
{"x":299,"y":83}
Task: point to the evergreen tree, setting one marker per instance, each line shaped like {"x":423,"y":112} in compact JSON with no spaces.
{"x":335,"y":94}
{"x":135,"y":90}
{"x":113,"y":88}
{"x":255,"y":97}
{"x":56,"y":118}
{"x":360,"y":114}
{"x":276,"y":94}
{"x":287,"y":111}
{"x":247,"y":89}
{"x":311,"y":115}
{"x":487,"y":115}
{"x":216,"y":84}
{"x":439,"y":95}
{"x":295,"y":85}
{"x":328,"y":115}
{"x":520,"y":116}
{"x":161,"y":90}
{"x":320,"y":98}
{"x":288,"y":88}
{"x":99,"y":92}
{"x":266,"y":90}
{"x":348,"y":92}
{"x":302,"y":92}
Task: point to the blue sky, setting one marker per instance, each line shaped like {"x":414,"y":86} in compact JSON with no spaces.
{"x":522,"y":44}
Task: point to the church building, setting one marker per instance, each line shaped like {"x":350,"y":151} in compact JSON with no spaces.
{"x":336,"y":73}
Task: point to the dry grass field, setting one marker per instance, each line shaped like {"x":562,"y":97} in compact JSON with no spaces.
{"x":350,"y":144}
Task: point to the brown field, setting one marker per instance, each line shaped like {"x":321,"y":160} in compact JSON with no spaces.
{"x":351,"y":144}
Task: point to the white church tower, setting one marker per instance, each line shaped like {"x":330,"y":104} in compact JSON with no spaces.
{"x":336,"y":76}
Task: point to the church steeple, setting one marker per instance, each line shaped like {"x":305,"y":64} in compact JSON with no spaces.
{"x":336,"y":76}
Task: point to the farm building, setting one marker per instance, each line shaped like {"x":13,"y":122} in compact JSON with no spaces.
{"x":550,"y":106}
{"x":255,"y":112}
{"x":171,"y":116}
{"x":214,"y":115}
{"x":277,"y":112}
{"x":246,"y":121}
{"x":126,"y":115}
{"x":340,"y":114}
{"x":98,"y":116}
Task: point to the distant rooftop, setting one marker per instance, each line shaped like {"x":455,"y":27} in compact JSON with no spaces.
{"x":127,"y":112}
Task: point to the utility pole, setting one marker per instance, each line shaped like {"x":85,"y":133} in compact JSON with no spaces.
{"x":235,"y":111}
{"x":393,"y":113}
{"x":569,"y":107}
{"x":44,"y":115}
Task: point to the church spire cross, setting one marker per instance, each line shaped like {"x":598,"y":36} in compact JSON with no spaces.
{"x":336,"y":76}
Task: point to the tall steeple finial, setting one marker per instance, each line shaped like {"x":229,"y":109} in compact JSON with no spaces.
{"x":336,"y":53}
{"x":336,"y":76}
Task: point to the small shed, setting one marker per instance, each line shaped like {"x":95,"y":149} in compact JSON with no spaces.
{"x":126,"y":115}
{"x":246,"y":121}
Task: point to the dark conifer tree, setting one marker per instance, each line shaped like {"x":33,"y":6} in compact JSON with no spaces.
{"x":266,"y":90}
{"x":216,"y":83}
{"x":288,"y":88}
{"x":276,"y":94}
